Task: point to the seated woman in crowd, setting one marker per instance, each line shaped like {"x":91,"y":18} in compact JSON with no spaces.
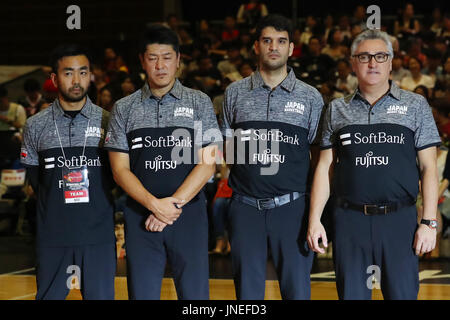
{"x":416,"y":78}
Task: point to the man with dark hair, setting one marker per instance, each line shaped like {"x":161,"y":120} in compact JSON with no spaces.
{"x":154,"y":142}
{"x":275,"y":117}
{"x":33,"y":99}
{"x":315,"y":66}
{"x":69,"y":172}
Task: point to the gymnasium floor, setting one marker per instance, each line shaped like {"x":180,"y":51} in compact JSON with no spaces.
{"x":17,"y":280}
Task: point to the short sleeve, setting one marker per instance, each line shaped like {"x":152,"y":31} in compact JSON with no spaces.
{"x":426,"y":134}
{"x":226,"y":119}
{"x":210,"y":132}
{"x":316,"y":111}
{"x":327,"y":134}
{"x":116,"y":136}
{"x":28,"y":154}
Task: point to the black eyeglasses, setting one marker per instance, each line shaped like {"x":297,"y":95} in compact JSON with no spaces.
{"x":365,"y":57}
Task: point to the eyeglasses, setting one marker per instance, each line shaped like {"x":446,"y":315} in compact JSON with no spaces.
{"x":365,"y":57}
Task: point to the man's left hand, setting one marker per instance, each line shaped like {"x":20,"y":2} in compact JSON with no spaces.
{"x":425,"y":239}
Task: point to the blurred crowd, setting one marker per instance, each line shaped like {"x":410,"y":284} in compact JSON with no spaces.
{"x":215,"y":55}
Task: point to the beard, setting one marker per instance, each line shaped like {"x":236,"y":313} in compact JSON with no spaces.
{"x":274,"y":65}
{"x":70,"y":97}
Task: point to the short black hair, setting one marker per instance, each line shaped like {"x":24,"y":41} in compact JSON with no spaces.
{"x":3,"y":92}
{"x":31,"y":85}
{"x":67,"y":50}
{"x":278,"y":22}
{"x":159,"y":34}
{"x":314,"y":37}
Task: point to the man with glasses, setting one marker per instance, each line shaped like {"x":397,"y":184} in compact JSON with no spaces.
{"x":376,"y":133}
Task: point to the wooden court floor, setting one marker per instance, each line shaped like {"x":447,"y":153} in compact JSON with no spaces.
{"x":23,"y":287}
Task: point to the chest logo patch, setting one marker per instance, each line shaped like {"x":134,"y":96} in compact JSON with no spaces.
{"x":184,"y":112}
{"x":397,"y":109}
{"x":95,"y":132}
{"x":296,"y":107}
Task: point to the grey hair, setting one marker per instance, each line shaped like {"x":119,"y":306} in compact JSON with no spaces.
{"x":372,"y":34}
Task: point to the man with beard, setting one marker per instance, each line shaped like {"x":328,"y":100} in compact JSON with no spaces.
{"x":275,"y":116}
{"x":69,"y":172}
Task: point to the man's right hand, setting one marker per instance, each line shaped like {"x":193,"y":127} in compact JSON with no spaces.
{"x":164,"y":209}
{"x":315,"y":232}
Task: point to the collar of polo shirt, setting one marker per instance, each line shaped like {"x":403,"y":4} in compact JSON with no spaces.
{"x":394,"y":91}
{"x":288,"y":83}
{"x":175,"y":91}
{"x":85,"y":111}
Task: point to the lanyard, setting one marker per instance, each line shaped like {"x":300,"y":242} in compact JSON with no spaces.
{"x":60,"y":143}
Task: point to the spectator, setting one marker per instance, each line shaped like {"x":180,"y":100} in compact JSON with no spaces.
{"x":113,"y":62}
{"x":434,"y":68}
{"x":423,"y":91}
{"x":298,"y":45}
{"x":329,"y":92}
{"x":246,"y":68}
{"x":346,"y":82}
{"x":444,"y":77}
{"x":234,"y":59}
{"x":250,"y":13}
{"x":127,"y":84}
{"x":106,"y":98}
{"x":33,"y":100}
{"x":207,"y":77}
{"x":415,"y":51}
{"x":398,"y":72}
{"x":12,"y":115}
{"x":359,"y":17}
{"x":246,"y":45}
{"x":356,"y":29}
{"x":345,"y":28}
{"x":438,"y":22}
{"x":406,"y":26}
{"x":230,"y":32}
{"x":220,"y":207}
{"x":315,"y":66}
{"x":307,"y":33}
{"x":416,"y":78}
{"x":50,"y":91}
{"x":100,"y":79}
{"x":328,"y":24}
{"x":335,"y":49}
{"x":445,"y":32}
{"x":218,"y":99}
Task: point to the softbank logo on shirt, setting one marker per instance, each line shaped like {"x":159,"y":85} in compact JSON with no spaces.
{"x":379,"y":137}
{"x":184,"y":112}
{"x":95,"y":132}
{"x":397,"y":109}
{"x":60,"y":162}
{"x":294,"y":107}
{"x":164,"y":142}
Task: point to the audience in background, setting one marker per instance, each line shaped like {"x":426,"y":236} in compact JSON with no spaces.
{"x":215,"y":55}
{"x":33,"y":99}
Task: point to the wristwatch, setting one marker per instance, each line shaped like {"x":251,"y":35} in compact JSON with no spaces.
{"x":431,"y":223}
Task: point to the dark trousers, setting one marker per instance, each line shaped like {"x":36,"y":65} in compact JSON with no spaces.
{"x":184,"y":244}
{"x":363,"y":244}
{"x":284,"y":228}
{"x":57,"y":266}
